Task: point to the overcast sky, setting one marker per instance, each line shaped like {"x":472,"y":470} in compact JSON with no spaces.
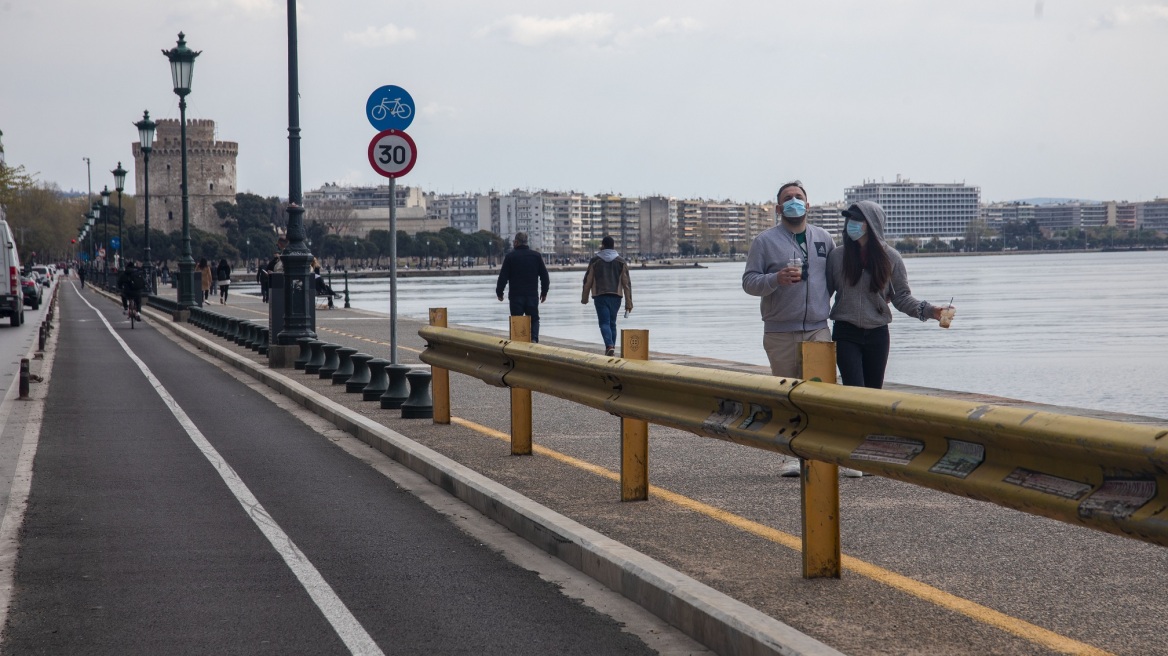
{"x":726,"y":99}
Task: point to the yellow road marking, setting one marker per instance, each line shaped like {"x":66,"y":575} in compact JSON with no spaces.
{"x":973,"y":610}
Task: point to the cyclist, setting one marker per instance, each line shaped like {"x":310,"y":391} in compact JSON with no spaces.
{"x":132,"y":283}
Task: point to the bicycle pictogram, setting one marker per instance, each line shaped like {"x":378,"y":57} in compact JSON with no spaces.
{"x":395,"y":108}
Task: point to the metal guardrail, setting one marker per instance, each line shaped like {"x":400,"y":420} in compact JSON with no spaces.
{"x":1105,"y":475}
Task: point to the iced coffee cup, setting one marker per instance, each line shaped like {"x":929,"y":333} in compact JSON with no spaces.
{"x":797,"y":264}
{"x":947,"y":316}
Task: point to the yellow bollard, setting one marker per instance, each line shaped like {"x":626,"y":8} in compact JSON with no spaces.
{"x":819,"y":484}
{"x":634,"y":432}
{"x":520,"y":398}
{"x":441,"y":377}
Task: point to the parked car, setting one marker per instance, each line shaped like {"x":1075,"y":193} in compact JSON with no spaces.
{"x":11,"y":302}
{"x":33,"y":294}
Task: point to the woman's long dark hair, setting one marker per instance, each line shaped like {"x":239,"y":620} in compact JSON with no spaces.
{"x":879,"y":267}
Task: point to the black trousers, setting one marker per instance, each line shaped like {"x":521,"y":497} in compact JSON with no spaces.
{"x":529,"y":305}
{"x":861,"y":354}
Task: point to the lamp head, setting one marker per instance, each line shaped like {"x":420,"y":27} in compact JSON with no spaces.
{"x":119,"y":178}
{"x":182,"y":65}
{"x":146,"y":131}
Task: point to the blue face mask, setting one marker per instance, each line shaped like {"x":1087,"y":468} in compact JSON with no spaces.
{"x":856,"y":229}
{"x":794,"y":208}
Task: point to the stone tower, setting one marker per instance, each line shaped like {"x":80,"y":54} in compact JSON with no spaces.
{"x":210,"y":176}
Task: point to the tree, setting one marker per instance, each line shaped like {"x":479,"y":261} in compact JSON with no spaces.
{"x":908,"y":244}
{"x":334,"y":216}
{"x":13,"y":180}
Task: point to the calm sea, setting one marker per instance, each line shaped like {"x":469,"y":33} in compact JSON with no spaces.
{"x":1085,"y":329}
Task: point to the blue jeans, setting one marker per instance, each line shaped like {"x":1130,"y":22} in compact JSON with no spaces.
{"x":607,"y":307}
{"x":527,"y":305}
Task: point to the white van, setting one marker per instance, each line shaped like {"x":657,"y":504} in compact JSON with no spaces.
{"x":11,"y":295}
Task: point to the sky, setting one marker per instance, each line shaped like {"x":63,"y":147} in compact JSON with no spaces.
{"x":718,"y":100}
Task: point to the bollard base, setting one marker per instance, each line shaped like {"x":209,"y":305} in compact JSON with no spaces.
{"x":282,"y":356}
{"x":182,"y":316}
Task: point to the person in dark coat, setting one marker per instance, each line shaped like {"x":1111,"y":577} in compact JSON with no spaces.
{"x":524,"y":270}
{"x":223,"y":275}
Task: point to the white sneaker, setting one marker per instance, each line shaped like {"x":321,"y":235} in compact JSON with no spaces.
{"x":850,"y":473}
{"x":790,"y":469}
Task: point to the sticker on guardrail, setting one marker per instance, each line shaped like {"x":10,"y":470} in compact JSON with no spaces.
{"x":719,"y":421}
{"x":1117,"y":499}
{"x":888,"y":448}
{"x":1046,"y":483}
{"x":960,"y":459}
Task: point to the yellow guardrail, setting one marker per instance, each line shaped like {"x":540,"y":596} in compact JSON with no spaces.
{"x":1106,"y":475}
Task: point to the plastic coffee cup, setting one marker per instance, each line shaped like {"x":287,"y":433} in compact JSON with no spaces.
{"x":947,"y":316}
{"x":796,"y":263}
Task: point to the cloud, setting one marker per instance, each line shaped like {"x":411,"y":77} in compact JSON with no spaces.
{"x":534,"y":31}
{"x":1122,"y":16}
{"x":251,"y":8}
{"x":594,"y":28}
{"x":387,"y":35}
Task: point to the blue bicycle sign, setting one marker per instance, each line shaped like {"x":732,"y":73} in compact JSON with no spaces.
{"x":390,"y":108}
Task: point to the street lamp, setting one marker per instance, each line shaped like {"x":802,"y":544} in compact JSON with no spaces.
{"x":119,"y":185}
{"x":182,"y":68}
{"x":146,"y":138}
{"x":105,"y":194}
{"x":91,"y":219}
{"x":458,"y":248}
{"x":299,"y":299}
{"x":247,"y":255}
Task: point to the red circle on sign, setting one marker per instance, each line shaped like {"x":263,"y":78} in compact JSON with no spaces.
{"x":392,"y":153}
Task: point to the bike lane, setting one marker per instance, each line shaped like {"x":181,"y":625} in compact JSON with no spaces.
{"x":134,"y":543}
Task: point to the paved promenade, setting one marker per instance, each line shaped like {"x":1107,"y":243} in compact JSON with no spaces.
{"x":925,"y":573}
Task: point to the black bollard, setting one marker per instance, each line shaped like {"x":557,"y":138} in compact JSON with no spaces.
{"x":316,"y":360}
{"x":232,"y":329}
{"x":242,"y":335}
{"x":263,"y":341}
{"x":347,"y":289}
{"x":345,"y":369}
{"x":420,"y":405}
{"x":378,"y":380}
{"x":360,"y":377}
{"x":398,"y":390}
{"x":331,"y":361}
{"x":24,"y":378}
{"x":305,"y":352}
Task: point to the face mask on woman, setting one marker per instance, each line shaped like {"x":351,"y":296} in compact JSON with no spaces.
{"x":794,"y":208}
{"x":856,"y":229}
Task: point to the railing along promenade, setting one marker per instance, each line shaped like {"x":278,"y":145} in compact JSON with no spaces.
{"x":1105,"y":475}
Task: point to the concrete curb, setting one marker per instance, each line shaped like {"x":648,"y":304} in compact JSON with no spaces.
{"x":712,"y":618}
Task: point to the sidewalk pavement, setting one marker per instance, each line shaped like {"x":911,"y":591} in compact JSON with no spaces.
{"x":925,"y":572}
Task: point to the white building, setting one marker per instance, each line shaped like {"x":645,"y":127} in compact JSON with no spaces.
{"x":921,"y":210}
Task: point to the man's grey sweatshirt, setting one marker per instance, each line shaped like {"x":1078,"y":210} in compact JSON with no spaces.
{"x":790,"y":308}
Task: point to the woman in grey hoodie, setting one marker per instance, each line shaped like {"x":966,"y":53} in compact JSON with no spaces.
{"x":865,"y":276}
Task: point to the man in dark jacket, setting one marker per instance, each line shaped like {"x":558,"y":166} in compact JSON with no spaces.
{"x":522,"y":268}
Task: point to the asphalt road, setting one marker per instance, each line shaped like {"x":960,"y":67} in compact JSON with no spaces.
{"x":213,"y":521}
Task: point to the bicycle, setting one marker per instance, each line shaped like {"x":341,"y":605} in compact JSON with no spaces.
{"x":398,"y":110}
{"x":134,"y":310}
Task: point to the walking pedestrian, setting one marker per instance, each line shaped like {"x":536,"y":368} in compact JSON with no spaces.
{"x":273,"y":265}
{"x":524,"y":270}
{"x":607,"y":280}
{"x":223,"y":273}
{"x":204,"y":271}
{"x":866,"y":275}
{"x":787,"y":268}
{"x":81,"y":275}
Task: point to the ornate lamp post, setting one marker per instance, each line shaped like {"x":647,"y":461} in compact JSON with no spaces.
{"x":90,"y":219}
{"x":299,"y":292}
{"x":182,"y":68}
{"x":105,"y":194}
{"x":119,"y":185}
{"x":458,"y":247}
{"x":247,"y":255}
{"x":146,"y":138}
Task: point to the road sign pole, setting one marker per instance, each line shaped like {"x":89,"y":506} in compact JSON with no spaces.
{"x":393,"y":270}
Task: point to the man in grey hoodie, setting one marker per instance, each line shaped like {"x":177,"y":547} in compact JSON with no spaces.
{"x":606,"y":280}
{"x":794,"y":298}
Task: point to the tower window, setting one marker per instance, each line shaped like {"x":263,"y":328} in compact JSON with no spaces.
{"x":170,"y":216}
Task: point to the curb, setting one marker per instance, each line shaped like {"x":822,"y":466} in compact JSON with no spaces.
{"x":719,"y":622}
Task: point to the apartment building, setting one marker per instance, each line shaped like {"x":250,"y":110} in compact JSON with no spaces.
{"x":365,"y":197}
{"x":828,"y":216}
{"x":1154,"y":215}
{"x":658,"y":222}
{"x":921,"y":210}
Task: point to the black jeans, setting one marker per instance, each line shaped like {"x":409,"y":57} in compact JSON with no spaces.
{"x":861,"y":355}
{"x":529,"y":305}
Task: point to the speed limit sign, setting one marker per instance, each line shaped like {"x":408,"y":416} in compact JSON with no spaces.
{"x":392,"y":153}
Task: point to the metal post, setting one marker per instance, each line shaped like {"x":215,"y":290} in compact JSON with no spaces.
{"x":24,"y":377}
{"x":520,"y":398}
{"x":819,"y":484}
{"x":146,"y":222}
{"x":347,"y":289}
{"x":440,"y":382}
{"x":186,"y":261}
{"x":299,"y":291}
{"x":634,"y":432}
{"x":393,"y":270}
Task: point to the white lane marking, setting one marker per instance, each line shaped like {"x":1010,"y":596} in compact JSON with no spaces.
{"x":347,"y":627}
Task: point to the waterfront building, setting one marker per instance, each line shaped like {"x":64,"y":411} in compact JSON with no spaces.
{"x":1154,"y":215}
{"x":568,"y":218}
{"x":993,"y":215}
{"x":1127,"y":215}
{"x":620,"y":217}
{"x":921,"y":210}
{"x":659,"y":226}
{"x":689,"y":223}
{"x":211,"y":176}
{"x":362,"y":197}
{"x":459,"y":211}
{"x":828,"y":216}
